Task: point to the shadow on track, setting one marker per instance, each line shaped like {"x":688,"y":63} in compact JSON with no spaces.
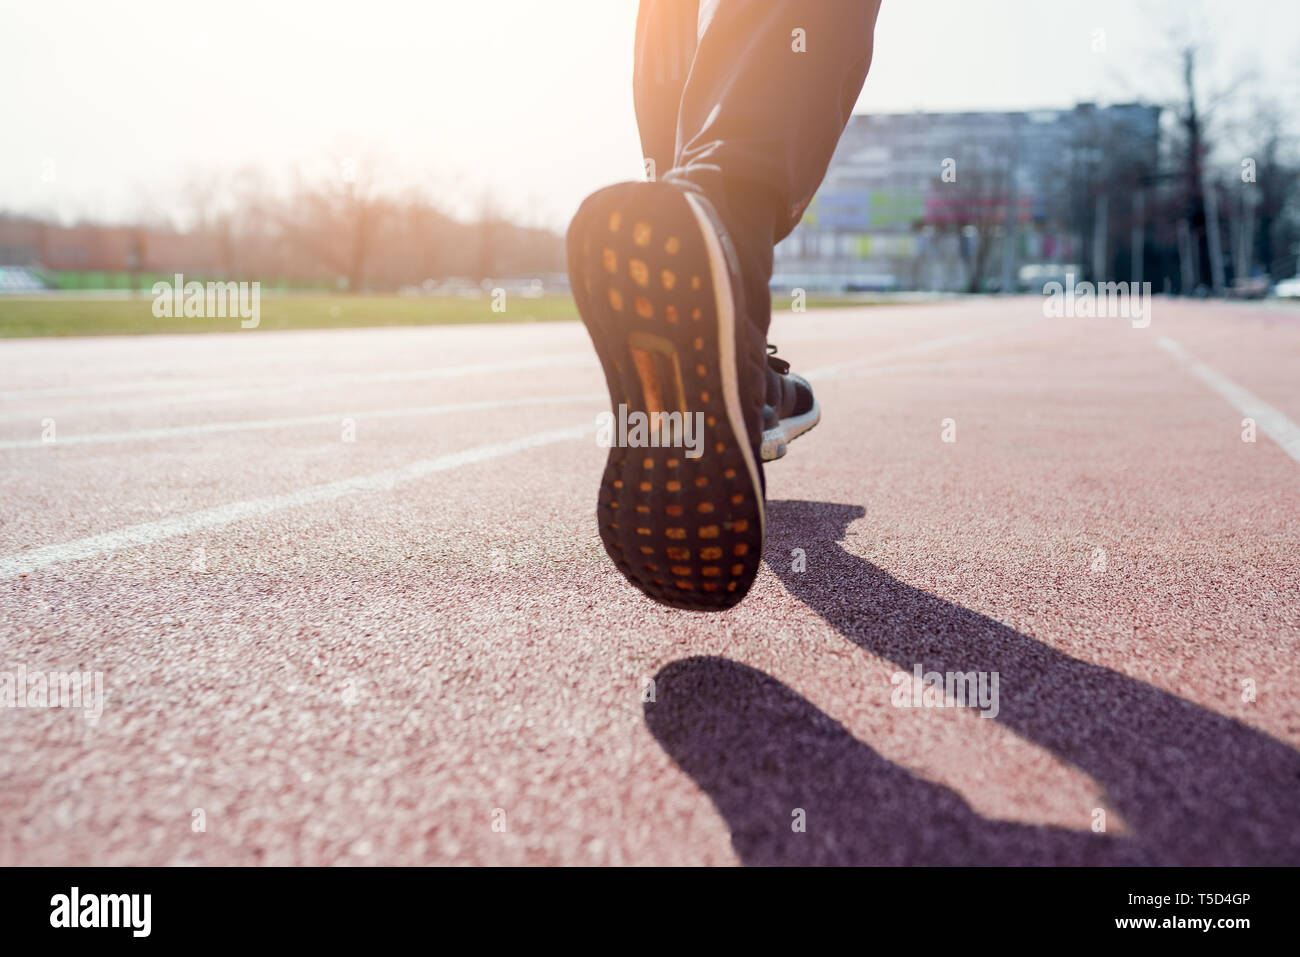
{"x":1192,"y":786}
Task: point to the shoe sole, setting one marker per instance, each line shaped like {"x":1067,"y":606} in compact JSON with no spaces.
{"x":654,"y":291}
{"x":776,"y":440}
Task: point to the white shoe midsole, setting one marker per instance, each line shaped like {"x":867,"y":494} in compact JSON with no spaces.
{"x":778,"y":437}
{"x":726,"y":311}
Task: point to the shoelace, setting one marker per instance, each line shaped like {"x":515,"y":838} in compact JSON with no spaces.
{"x":779,"y":366}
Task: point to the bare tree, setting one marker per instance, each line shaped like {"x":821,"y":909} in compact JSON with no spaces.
{"x":335,"y":217}
{"x":975,"y":208}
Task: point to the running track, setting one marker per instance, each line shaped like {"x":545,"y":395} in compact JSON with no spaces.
{"x":372,"y":651}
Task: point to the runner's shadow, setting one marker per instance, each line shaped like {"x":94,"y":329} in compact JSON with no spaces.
{"x":1192,"y":786}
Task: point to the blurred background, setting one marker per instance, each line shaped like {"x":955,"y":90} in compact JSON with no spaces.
{"x":395,"y":162}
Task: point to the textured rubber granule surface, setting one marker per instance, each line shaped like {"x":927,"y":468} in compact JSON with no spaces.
{"x":367,"y":678}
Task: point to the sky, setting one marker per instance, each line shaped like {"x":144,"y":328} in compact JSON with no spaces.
{"x":112,"y":111}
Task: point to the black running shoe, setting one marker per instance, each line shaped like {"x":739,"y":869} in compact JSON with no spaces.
{"x":655,"y":280}
{"x":791,"y":408}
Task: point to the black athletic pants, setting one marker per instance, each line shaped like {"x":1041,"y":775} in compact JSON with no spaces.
{"x":744,"y":101}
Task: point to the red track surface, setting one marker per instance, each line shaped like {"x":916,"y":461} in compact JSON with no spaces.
{"x":365,"y":674}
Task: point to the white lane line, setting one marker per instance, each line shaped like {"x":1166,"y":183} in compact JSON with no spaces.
{"x":238,"y":387}
{"x":925,"y":345}
{"x":1268,"y":419}
{"x":329,"y":418}
{"x":22,"y":563}
{"x":937,"y":364}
